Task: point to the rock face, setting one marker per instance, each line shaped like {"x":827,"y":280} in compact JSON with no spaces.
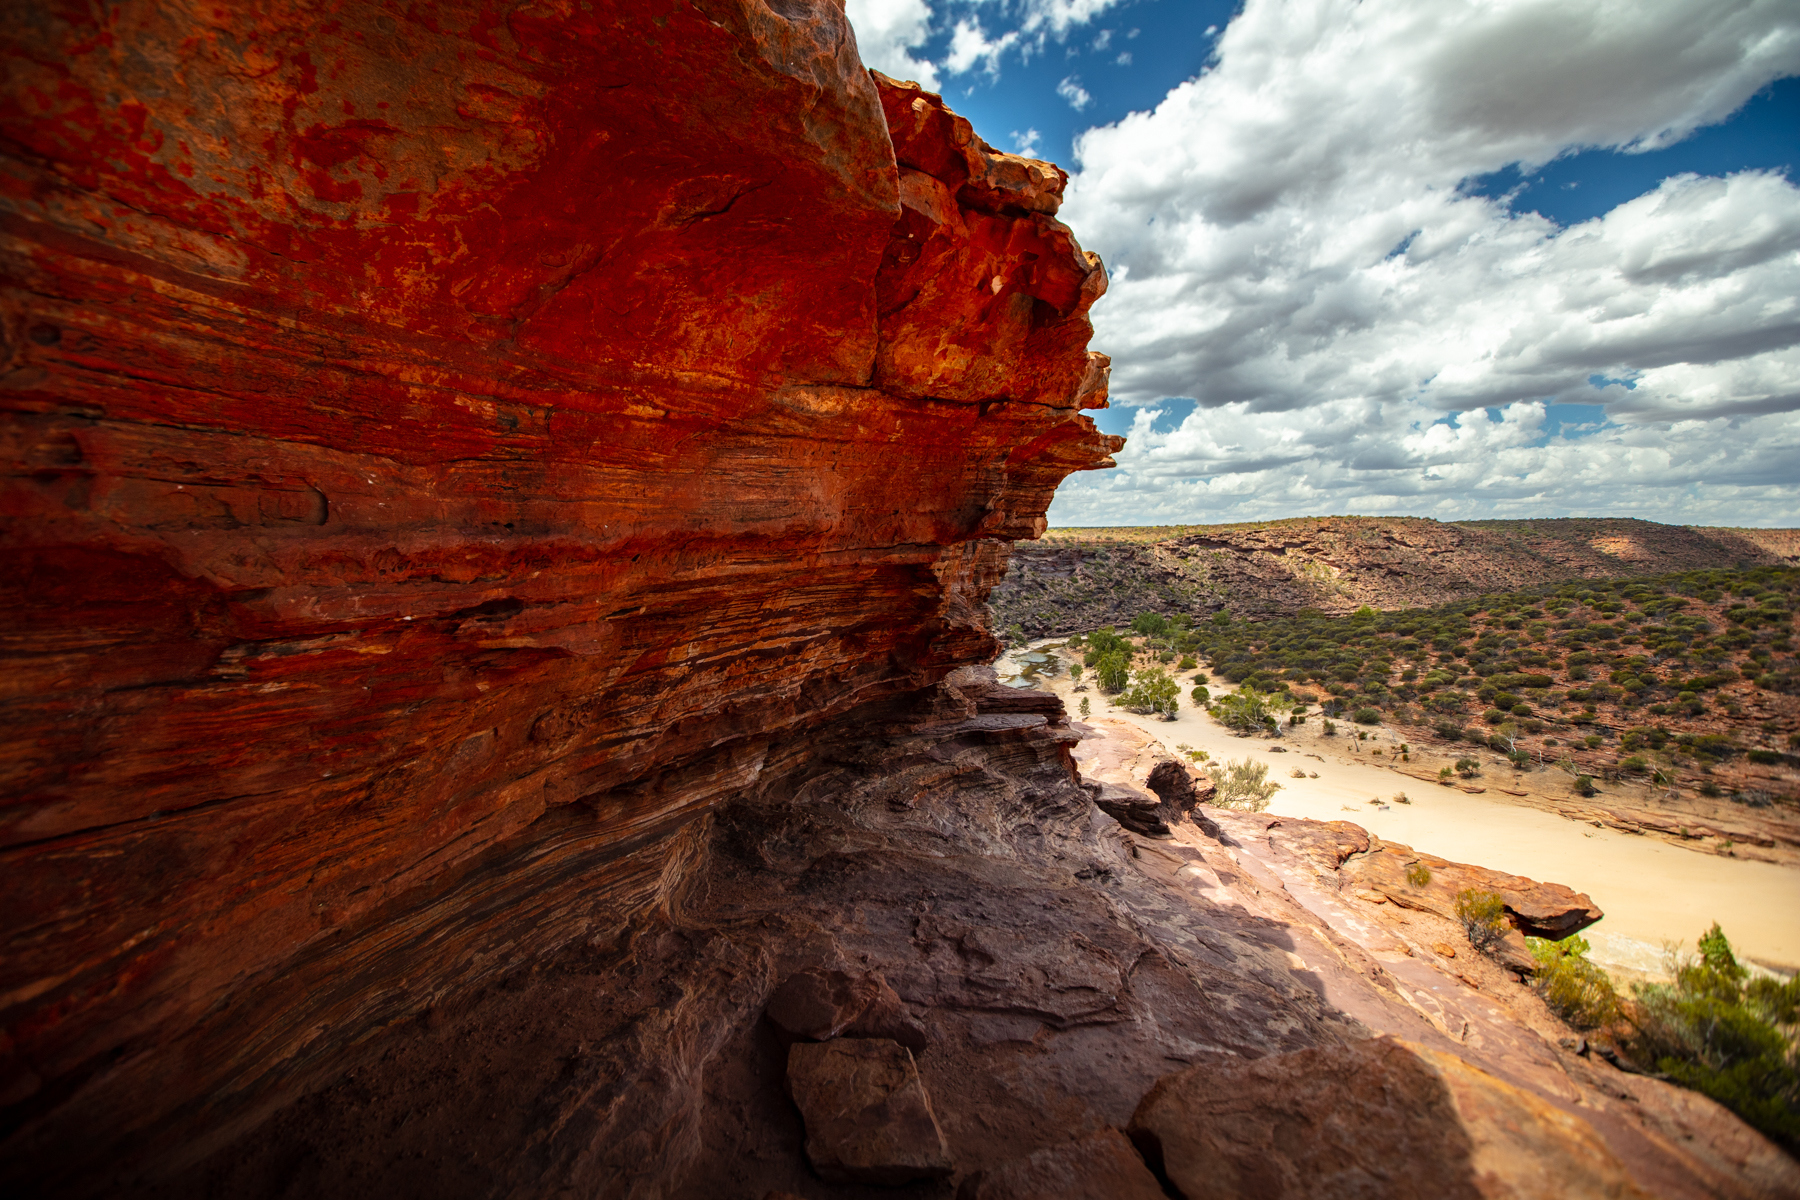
{"x":447,"y":454}
{"x":1374,"y":1118}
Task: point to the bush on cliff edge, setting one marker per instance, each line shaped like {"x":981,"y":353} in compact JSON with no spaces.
{"x":1726,"y":1035}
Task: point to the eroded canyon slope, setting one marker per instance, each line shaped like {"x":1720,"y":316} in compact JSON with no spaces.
{"x":500,"y":505}
{"x":1080,"y":579}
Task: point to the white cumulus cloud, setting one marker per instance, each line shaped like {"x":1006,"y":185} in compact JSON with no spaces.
{"x":1070,"y":89}
{"x":1290,"y":249}
{"x":887,"y":34}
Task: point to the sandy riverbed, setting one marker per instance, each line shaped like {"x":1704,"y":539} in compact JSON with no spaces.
{"x":1651,"y":891}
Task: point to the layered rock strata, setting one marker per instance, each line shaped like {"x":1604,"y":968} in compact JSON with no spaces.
{"x":450,"y":452}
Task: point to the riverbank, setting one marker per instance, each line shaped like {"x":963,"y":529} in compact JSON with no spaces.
{"x":1652,"y":890}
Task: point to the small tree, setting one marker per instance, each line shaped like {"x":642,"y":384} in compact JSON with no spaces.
{"x":1243,"y":784}
{"x":1084,"y":708}
{"x":1200,"y":695}
{"x":1075,"y":670}
{"x":1153,"y":690}
{"x":1113,"y":671}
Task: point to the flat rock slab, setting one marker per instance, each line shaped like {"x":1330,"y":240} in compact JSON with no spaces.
{"x":1100,"y":1166}
{"x":867,"y":1117}
{"x":1378,"y":1118}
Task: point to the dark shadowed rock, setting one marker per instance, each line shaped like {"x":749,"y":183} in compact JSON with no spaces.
{"x":1377,"y":1118}
{"x":820,"y":1004}
{"x":1135,"y":810}
{"x":1173,"y":784}
{"x":867,"y":1117}
{"x":1100,"y":1166}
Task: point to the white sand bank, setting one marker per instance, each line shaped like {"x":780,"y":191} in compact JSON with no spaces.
{"x":1651,"y":891}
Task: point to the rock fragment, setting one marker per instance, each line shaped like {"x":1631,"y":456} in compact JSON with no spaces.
{"x":1135,"y":810}
{"x":868,"y":1119}
{"x":820,"y":1004}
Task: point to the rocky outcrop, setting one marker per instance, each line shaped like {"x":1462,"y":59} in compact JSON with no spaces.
{"x":1079,"y":579}
{"x":1058,"y":966}
{"x":1374,"y":1118}
{"x":449,"y":454}
{"x":1432,"y":884}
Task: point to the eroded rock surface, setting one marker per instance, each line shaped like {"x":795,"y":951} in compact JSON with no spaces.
{"x":1100,"y":1166}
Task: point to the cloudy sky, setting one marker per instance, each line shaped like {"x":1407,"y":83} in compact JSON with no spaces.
{"x":1451,"y":258}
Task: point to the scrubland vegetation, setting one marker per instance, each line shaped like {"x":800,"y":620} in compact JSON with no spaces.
{"x":1715,"y":1027}
{"x":1676,"y":679}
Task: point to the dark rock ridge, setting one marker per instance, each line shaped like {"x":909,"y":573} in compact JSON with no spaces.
{"x":1080,"y":579}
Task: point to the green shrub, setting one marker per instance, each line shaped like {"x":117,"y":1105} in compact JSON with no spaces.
{"x":1725,"y":1035}
{"x":1243,"y":784}
{"x":1468,"y":767}
{"x":1152,"y":690}
{"x":1367,"y":716}
{"x":1577,"y":990}
{"x":1483,"y":917}
{"x":1584,"y":785}
{"x":1418,"y":875}
{"x":1246,"y":709}
{"x":1187,"y":664}
{"x":1200,"y":695}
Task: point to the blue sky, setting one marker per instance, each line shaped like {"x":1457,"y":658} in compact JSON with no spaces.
{"x":1449,"y":257}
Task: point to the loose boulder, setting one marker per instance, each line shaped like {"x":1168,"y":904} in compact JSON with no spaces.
{"x":1373,"y":1118}
{"x":868,"y":1119}
{"x":1135,"y":810}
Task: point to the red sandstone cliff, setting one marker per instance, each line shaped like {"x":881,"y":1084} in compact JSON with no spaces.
{"x":448,"y":450}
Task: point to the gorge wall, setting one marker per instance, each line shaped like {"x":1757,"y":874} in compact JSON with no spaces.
{"x":449,"y":451}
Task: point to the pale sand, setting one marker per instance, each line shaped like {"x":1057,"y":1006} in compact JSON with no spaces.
{"x":1650,"y":890}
